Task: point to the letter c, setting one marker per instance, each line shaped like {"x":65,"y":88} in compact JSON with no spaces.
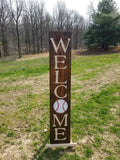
{"x":55,"y":91}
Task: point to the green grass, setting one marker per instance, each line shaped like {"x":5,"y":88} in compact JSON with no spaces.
{"x":115,"y":129}
{"x":29,"y":68}
{"x":95,"y":114}
{"x":88,"y":152}
{"x":110,"y":158}
{"x":10,"y":134}
{"x":80,"y":65}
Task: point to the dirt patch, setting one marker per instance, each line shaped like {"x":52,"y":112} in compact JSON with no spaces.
{"x":33,"y":56}
{"x":107,"y":136}
{"x":86,"y":139}
{"x":98,"y":51}
{"x":108,"y":143}
{"x":21,"y":149}
{"x":110,"y":76}
{"x":98,"y":155}
{"x":37,"y":85}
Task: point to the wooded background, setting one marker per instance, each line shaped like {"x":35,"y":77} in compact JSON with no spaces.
{"x":24,"y":26}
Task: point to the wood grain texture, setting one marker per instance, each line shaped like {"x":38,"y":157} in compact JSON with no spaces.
{"x":64,"y":75}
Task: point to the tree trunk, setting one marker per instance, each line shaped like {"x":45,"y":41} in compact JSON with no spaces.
{"x":41,"y":36}
{"x":106,"y":47}
{"x":4,"y":41}
{"x":18,"y":40}
{"x":37,"y":41}
{"x":0,"y":54}
{"x":41,"y":44}
{"x":33,"y":40}
{"x":102,"y":46}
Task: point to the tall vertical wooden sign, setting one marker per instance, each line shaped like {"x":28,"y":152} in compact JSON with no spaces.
{"x":60,"y":88}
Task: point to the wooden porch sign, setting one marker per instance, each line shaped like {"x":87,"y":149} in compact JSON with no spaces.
{"x":60,"y":88}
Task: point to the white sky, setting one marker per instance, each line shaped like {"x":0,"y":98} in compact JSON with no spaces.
{"x":79,"y":5}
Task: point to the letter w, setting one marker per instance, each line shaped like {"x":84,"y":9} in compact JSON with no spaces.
{"x":60,"y":42}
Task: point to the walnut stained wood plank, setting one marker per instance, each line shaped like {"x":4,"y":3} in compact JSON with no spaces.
{"x":60,"y":86}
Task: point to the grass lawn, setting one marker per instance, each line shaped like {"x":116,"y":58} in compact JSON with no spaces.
{"x":95,"y":109}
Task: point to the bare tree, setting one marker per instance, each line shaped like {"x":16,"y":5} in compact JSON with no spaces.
{"x":27,"y":32}
{"x":37,"y":16}
{"x":32,"y":22}
{"x":31,"y":13}
{"x":78,"y":29}
{"x":69,"y":20}
{"x":16,"y":14}
{"x":59,"y":15}
{"x":90,"y":12}
{"x":40,"y":25}
{"x":48,"y":27}
{"x":4,"y":22}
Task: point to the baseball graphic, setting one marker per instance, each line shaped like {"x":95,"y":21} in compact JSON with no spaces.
{"x":60,"y":106}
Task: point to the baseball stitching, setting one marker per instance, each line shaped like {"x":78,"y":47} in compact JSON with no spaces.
{"x":57,"y":105}
{"x":63,"y":106}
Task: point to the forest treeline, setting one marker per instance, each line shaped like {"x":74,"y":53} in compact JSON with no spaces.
{"x":25,"y":26}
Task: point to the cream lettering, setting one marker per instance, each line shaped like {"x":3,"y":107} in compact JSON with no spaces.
{"x":57,"y":133}
{"x":59,"y":62}
{"x":56,"y":93}
{"x":60,"y":122}
{"x":57,"y":78}
{"x":60,"y":42}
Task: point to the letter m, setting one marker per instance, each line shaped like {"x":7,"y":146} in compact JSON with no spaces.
{"x":60,"y":123}
{"x":62,"y":44}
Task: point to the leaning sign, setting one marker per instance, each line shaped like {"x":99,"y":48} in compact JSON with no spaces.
{"x":60,"y":89}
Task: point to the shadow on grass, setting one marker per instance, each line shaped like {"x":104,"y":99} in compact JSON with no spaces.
{"x":49,"y":153}
{"x":98,"y":51}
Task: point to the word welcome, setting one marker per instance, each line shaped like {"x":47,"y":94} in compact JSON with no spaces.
{"x":60,"y":89}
